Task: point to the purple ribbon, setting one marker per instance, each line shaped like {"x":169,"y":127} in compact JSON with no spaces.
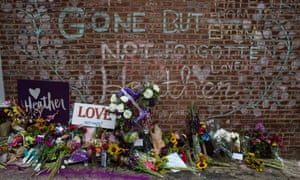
{"x":129,"y":91}
{"x":142,"y":114}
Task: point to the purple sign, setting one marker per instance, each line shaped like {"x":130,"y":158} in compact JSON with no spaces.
{"x":52,"y":96}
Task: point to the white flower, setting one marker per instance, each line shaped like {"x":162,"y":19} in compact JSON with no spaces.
{"x":114,"y":98}
{"x":124,"y":99}
{"x":155,"y":88}
{"x":112,"y":107}
{"x":127,"y":114}
{"x":59,"y":141}
{"x":148,"y":93}
{"x":120,"y":107}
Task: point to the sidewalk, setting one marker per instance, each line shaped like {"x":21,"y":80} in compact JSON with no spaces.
{"x":80,"y":172}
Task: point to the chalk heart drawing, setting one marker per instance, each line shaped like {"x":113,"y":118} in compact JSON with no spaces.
{"x":201,"y":74}
{"x":35,"y":92}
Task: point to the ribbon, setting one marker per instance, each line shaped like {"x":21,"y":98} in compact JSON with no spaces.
{"x":130,"y":92}
{"x":131,"y":99}
{"x":142,"y":115}
{"x":131,"y":95}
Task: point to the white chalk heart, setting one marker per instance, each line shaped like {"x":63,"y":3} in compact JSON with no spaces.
{"x":35,"y":92}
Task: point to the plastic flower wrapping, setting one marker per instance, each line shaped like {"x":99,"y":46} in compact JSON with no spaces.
{"x":136,"y":142}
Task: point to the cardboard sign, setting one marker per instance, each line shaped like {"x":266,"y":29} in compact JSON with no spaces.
{"x":52,"y":96}
{"x":93,"y":115}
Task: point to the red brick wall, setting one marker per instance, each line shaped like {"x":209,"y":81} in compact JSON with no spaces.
{"x":237,"y":60}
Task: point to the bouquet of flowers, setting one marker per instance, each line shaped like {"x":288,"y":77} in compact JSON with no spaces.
{"x":262,"y":144}
{"x":132,"y":105}
{"x":132,"y":108}
{"x":199,"y":132}
{"x":254,"y":163}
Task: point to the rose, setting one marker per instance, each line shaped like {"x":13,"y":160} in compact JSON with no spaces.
{"x":114,"y":98}
{"x":124,"y":99}
{"x":156,"y":88}
{"x":127,"y":114}
{"x":112,"y":107}
{"x":148,"y":93}
{"x":120,"y":107}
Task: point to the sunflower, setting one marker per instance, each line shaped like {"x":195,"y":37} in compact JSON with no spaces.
{"x":120,"y":151}
{"x":40,"y":121}
{"x":52,"y":127}
{"x":249,"y":154}
{"x":202,"y":165}
{"x":173,"y":138}
{"x":157,"y":164}
{"x":113,"y":149}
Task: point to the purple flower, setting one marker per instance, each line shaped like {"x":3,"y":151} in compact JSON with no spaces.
{"x":133,"y":161}
{"x":152,"y":103}
{"x":260,"y":127}
{"x":39,"y":139}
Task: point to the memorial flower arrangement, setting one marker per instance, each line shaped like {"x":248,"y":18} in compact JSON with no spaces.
{"x":132,"y":105}
{"x":16,"y":114}
{"x":262,"y":143}
{"x":46,"y":146}
{"x":200,"y":133}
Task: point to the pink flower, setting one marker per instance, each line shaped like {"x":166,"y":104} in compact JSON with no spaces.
{"x":149,"y":165}
{"x":254,"y":141}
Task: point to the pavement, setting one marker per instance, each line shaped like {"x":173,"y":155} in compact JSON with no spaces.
{"x":290,"y":171}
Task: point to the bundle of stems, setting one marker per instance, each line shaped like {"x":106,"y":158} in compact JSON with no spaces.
{"x":274,"y":163}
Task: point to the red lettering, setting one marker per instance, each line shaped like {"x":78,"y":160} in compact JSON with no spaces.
{"x":99,"y":114}
{"x":79,"y":112}
{"x":106,"y":115}
{"x":88,"y":115}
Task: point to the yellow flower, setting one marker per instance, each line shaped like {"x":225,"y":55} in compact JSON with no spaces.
{"x":165,"y":158}
{"x":15,"y":109}
{"x":157,"y":164}
{"x":113,"y":149}
{"x":52,"y":127}
{"x":259,"y":169}
{"x":120,"y":151}
{"x":40,"y":121}
{"x":274,"y":144}
{"x":175,"y":144}
{"x":29,"y":140}
{"x":250,"y":154}
{"x":260,"y":162}
{"x":37,"y":125}
{"x":173,"y":138}
{"x":201,"y":165}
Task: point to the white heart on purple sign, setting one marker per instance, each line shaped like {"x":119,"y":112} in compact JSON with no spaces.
{"x":35,"y":92}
